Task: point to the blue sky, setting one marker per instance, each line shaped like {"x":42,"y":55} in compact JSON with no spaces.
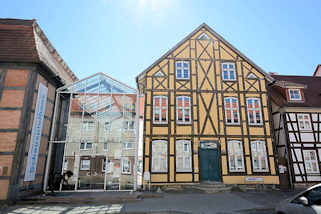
{"x":123,"y":37}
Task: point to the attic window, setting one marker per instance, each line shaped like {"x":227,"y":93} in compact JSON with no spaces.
{"x":251,"y":76}
{"x":159,"y":74}
{"x":295,"y":95}
{"x":204,"y":36}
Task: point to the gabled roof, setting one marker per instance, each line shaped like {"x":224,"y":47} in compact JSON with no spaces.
{"x":24,"y":41}
{"x":311,"y":91}
{"x":316,"y":69}
{"x":268,"y":77}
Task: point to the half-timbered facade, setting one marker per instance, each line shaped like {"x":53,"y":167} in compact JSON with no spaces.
{"x":206,"y":115}
{"x":296,"y":107}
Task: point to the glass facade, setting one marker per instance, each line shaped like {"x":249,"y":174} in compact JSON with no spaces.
{"x":100,"y":135}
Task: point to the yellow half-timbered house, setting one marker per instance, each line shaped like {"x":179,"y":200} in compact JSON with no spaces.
{"x":206,"y":115}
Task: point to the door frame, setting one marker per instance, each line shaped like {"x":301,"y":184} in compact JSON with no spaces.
{"x":218,"y":146}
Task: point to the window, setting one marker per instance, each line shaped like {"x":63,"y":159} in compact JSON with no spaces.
{"x":231,"y":110}
{"x":129,"y":110}
{"x":182,"y":69}
{"x":183,"y":156}
{"x":160,"y":109}
{"x":310,"y":161}
{"x":88,"y":126}
{"x":254,"y":112}
{"x":84,"y":164}
{"x":129,"y":145}
{"x":235,"y":156}
{"x":183,"y":109}
{"x":86,"y":146}
{"x":105,"y":146}
{"x":295,"y":94}
{"x":125,"y":166}
{"x":129,"y":125}
{"x":109,"y":165}
{"x":107,"y":126}
{"x":304,"y":122}
{"x":259,"y":157}
{"x":159,"y":156}
{"x":228,"y":71}
{"x":65,"y":164}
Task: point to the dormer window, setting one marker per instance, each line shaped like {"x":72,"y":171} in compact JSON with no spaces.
{"x":295,"y":95}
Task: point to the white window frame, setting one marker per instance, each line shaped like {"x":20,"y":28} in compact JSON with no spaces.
{"x":158,"y":158}
{"x":304,"y":121}
{"x":129,"y":125}
{"x":82,"y":166}
{"x":126,"y":147}
{"x":182,"y":68}
{"x":183,"y":108}
{"x":228,"y":70}
{"x":129,"y":109}
{"x":86,"y":145}
{"x":185,"y":154}
{"x":308,"y":161}
{"x":260,"y":152}
{"x":122,"y":166}
{"x":293,"y":90}
{"x":65,"y":164}
{"x":253,"y":109}
{"x":235,"y":148}
{"x":105,"y":148}
{"x":107,"y":126}
{"x":232,"y":109}
{"x":160,"y":110}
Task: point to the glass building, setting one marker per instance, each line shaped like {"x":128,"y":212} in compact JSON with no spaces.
{"x":94,"y":136}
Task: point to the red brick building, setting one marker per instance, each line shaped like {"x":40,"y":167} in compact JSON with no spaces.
{"x":27,"y":60}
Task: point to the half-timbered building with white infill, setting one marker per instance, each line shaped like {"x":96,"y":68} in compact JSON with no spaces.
{"x":206,"y":115}
{"x":296,"y":107}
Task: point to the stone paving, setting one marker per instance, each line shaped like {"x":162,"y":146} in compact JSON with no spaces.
{"x":220,"y":203}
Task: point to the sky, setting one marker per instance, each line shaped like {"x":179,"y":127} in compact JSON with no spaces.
{"x":123,"y":37}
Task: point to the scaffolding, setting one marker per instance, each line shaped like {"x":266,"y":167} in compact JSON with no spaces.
{"x":94,"y":136}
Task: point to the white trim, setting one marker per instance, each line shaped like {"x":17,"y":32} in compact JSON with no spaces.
{"x":183,"y":108}
{"x":258,"y":148}
{"x":235,"y":148}
{"x":122,"y":166}
{"x":85,"y":146}
{"x":254,"y":109}
{"x":125,"y":145}
{"x":182,"y":68}
{"x":160,"y":156}
{"x":295,"y":99}
{"x":184,"y":155}
{"x":228,"y":70}
{"x":160,"y":107}
{"x":231,"y":108}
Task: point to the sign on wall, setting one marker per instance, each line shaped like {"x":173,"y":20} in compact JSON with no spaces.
{"x":36,"y":133}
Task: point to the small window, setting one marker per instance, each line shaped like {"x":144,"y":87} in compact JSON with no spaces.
{"x":129,"y":125}
{"x":84,"y":164}
{"x":109,"y":165}
{"x":129,"y":110}
{"x":159,"y":156}
{"x":107,"y":126}
{"x":160,"y":109}
{"x":235,"y":156}
{"x":183,"y":156}
{"x":228,"y":71}
{"x":304,"y":122}
{"x":88,"y":126}
{"x":86,"y":146}
{"x":65,"y":164}
{"x":295,"y":94}
{"x":182,"y":69}
{"x":183,"y":109}
{"x":204,"y":36}
{"x":129,"y":145}
{"x":106,"y":147}
{"x":310,"y":161}
{"x":125,"y":166}
{"x":259,"y":156}
{"x":231,"y":107}
{"x":254,"y":112}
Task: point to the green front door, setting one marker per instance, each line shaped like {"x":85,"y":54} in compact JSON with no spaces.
{"x":210,"y":162}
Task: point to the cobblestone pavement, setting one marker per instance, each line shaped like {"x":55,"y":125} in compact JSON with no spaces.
{"x":219,"y":203}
